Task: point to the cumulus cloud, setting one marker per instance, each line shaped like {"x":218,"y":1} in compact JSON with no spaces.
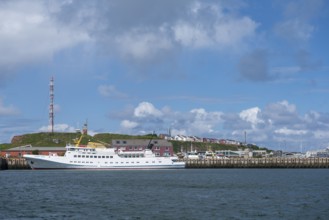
{"x":252,"y":116}
{"x":287,"y":131}
{"x":126,"y":124}
{"x":143,"y":35}
{"x":225,"y":32}
{"x":268,"y":126}
{"x":28,"y":34}
{"x":146,"y":109}
{"x":146,"y":117}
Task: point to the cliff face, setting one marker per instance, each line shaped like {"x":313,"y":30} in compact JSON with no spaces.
{"x":18,"y":139}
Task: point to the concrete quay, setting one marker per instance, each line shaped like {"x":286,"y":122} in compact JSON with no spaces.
{"x":259,"y":163}
{"x":21,"y":163}
{"x":13,"y":163}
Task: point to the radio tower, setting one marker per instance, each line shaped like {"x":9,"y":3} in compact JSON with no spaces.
{"x":51,"y":105}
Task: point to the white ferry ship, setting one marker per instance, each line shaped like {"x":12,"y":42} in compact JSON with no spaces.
{"x":77,"y":157}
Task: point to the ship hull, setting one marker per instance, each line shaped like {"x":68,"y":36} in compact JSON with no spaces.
{"x":58,"y":162}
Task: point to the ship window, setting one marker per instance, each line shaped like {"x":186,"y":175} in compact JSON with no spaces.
{"x":111,"y":162}
{"x":136,"y":147}
{"x":124,"y":142}
{"x":155,"y":142}
{"x":107,"y":156}
{"x":79,"y":155}
{"x":111,"y":156}
{"x":99,"y":156}
{"x":87,"y":156}
{"x":103,"y":156}
{"x":83,"y":156}
{"x":130,"y":148}
{"x":95,"y":156}
{"x":118,"y":142}
{"x":75,"y":155}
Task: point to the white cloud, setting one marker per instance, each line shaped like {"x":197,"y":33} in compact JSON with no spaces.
{"x":29,"y":34}
{"x":251,"y":115}
{"x":143,"y":43}
{"x":126,"y":124}
{"x":287,"y":131}
{"x":146,"y":109}
{"x":221,"y":31}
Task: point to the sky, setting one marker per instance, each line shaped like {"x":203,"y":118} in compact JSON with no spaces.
{"x":216,"y":69}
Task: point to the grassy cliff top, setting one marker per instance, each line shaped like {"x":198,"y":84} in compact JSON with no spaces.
{"x":57,"y":139}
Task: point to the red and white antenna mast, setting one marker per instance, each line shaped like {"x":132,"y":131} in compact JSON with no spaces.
{"x":51,"y":105}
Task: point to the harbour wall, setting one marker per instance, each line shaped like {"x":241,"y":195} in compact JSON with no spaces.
{"x":13,"y":163}
{"x":21,"y":163}
{"x":259,"y":163}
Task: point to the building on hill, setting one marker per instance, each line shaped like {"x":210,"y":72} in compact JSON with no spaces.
{"x":160,"y":147}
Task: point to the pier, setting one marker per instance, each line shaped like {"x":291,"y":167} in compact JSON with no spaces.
{"x":13,"y":164}
{"x":259,"y":163}
{"x":21,"y":163}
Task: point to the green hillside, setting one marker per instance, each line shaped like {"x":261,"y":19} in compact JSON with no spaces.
{"x":57,"y":139}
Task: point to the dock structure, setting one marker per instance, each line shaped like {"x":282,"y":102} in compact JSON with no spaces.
{"x":13,"y":163}
{"x":21,"y":163}
{"x":259,"y":163}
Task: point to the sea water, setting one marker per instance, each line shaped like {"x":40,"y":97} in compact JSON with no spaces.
{"x":165,"y":194}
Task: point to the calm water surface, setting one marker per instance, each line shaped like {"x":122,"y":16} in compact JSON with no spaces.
{"x":166,"y":194}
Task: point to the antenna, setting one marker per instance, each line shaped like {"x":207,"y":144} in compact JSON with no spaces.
{"x":51,"y":105}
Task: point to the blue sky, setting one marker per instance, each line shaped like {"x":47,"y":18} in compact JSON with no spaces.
{"x":205,"y":68}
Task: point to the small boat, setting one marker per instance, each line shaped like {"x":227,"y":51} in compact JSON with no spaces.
{"x":77,"y":157}
{"x":193,"y":155}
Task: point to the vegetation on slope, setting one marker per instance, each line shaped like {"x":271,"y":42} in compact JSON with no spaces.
{"x":57,"y":139}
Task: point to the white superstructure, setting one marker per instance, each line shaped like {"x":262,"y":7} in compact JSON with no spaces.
{"x":102,"y":158}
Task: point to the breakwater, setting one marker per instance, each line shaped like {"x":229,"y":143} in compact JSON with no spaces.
{"x":259,"y":163}
{"x":13,"y":163}
{"x":21,"y":163}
